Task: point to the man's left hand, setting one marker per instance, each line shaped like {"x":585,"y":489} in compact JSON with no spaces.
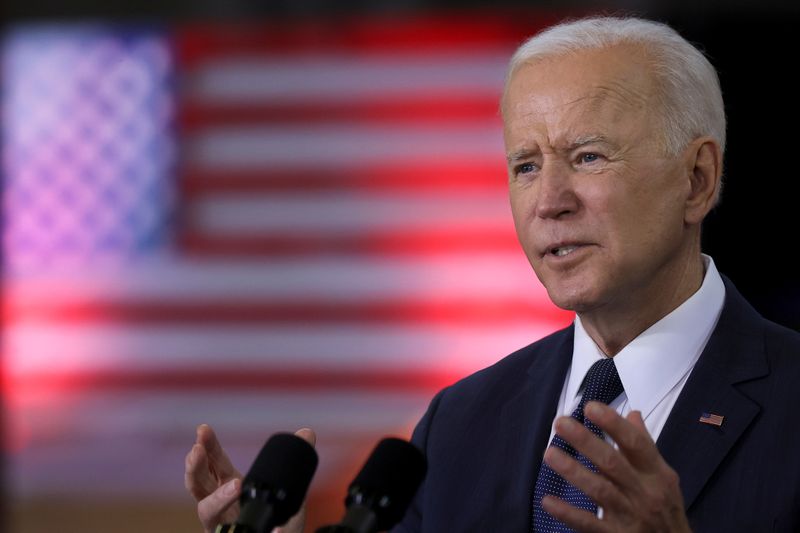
{"x":636,"y":488}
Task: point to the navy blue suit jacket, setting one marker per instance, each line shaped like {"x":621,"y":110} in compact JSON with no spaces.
{"x":484,"y":436}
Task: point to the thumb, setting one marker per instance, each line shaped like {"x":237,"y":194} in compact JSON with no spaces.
{"x":220,"y":506}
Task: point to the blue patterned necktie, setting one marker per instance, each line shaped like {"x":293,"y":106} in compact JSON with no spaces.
{"x":601,"y":384}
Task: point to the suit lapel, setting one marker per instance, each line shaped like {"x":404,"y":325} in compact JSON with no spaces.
{"x":734,"y":355}
{"x":529,"y":414}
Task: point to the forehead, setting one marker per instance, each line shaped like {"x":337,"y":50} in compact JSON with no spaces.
{"x":601,"y":90}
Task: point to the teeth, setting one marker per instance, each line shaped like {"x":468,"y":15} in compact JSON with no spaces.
{"x":560,"y":252}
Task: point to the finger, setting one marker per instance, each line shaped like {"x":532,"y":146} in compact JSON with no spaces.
{"x":578,"y":519}
{"x":635,"y":418}
{"x":633,"y":440}
{"x":220,"y":507}
{"x":197,"y":478}
{"x":307,"y":435}
{"x":597,"y":487}
{"x":609,"y":462}
{"x":218,"y":462}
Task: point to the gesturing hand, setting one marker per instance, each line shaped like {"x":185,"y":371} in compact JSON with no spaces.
{"x":213,"y":481}
{"x":636,"y":488}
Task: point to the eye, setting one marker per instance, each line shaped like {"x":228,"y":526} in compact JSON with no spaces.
{"x":524,"y":168}
{"x":588,"y":157}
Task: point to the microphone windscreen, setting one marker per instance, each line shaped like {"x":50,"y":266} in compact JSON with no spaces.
{"x":392,"y":473}
{"x":286,"y":465}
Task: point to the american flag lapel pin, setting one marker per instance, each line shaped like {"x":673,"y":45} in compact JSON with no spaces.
{"x":712,"y":419}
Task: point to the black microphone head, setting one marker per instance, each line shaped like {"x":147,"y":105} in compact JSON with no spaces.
{"x":388,"y":480}
{"x":284,"y":468}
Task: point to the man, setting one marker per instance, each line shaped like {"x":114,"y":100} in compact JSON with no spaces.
{"x":614,"y":133}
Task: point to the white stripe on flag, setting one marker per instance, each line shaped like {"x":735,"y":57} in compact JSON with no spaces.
{"x":338,"y":78}
{"x":42,"y":346}
{"x":242,"y":147}
{"x":347,"y":213}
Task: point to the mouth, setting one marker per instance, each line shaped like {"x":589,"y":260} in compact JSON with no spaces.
{"x":564,"y":249}
{"x":561,"y":251}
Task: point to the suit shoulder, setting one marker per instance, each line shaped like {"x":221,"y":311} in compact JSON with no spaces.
{"x":782,"y":343}
{"x":782,"y":334}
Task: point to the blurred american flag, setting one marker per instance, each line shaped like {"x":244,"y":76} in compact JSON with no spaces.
{"x":260,"y":226}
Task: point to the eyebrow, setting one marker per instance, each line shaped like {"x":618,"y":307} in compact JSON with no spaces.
{"x":583,"y":140}
{"x":519,"y":155}
{"x":588,"y":139}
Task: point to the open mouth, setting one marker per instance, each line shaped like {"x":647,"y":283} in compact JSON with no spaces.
{"x":561,"y":251}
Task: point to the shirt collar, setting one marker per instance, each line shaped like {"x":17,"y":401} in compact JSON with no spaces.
{"x":653,"y":363}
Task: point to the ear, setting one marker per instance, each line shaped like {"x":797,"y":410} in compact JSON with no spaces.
{"x":704,"y":169}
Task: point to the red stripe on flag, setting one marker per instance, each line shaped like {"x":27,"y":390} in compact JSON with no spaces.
{"x":426,"y":110}
{"x":203,"y":41}
{"x":217,"y":312}
{"x":409,"y":242}
{"x":259,"y":379}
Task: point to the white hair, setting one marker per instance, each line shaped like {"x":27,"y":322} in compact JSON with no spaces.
{"x":687,"y":84}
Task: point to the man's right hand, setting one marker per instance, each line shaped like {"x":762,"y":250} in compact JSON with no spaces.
{"x":213,"y":481}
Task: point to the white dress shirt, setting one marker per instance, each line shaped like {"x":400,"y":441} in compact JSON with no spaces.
{"x":654,"y":366}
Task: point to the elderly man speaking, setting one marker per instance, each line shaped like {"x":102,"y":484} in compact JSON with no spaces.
{"x":668,"y":404}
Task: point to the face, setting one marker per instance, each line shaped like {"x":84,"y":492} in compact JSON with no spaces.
{"x":598,"y":206}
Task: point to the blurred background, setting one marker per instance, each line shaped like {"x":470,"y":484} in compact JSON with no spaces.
{"x":271,"y":215}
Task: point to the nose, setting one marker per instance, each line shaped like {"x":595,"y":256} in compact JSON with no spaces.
{"x":556,"y":196}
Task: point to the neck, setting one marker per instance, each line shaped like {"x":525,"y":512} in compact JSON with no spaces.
{"x":613,"y":327}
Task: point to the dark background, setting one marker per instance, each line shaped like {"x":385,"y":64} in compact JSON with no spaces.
{"x":752,"y":233}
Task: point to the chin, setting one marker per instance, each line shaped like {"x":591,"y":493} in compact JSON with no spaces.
{"x":564,"y":302}
{"x":577,"y":299}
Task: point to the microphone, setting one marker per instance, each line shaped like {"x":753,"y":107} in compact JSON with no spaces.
{"x":380,"y":494}
{"x":274,"y":488}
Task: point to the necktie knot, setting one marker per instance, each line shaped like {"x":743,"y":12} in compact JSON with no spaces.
{"x":601,"y":384}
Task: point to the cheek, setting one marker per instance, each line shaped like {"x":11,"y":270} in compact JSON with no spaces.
{"x":636,"y":220}
{"x":521,"y":213}
{"x":605,"y":205}
{"x":660,"y":208}
{"x":521,"y":201}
